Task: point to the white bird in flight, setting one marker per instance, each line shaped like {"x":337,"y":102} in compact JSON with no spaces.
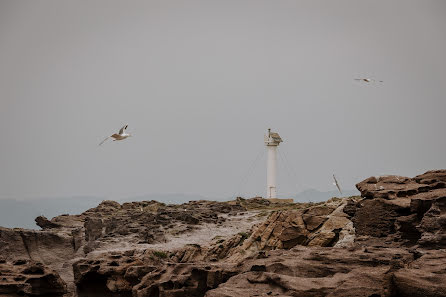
{"x":368,"y":80}
{"x":337,"y":184}
{"x":120,"y":136}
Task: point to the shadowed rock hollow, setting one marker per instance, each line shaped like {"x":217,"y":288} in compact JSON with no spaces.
{"x":389,"y":242}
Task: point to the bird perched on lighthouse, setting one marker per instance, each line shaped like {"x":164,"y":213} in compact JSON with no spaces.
{"x":120,"y":136}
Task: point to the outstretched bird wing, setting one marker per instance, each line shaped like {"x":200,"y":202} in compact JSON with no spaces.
{"x":368,"y":80}
{"x":104,"y":140}
{"x":337,"y":184}
{"x":121,"y":131}
{"x":365,"y":79}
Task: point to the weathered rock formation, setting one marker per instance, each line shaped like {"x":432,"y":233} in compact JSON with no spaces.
{"x":107,"y":226}
{"x":375,"y":270}
{"x":320,"y":225}
{"x":44,"y":223}
{"x":409,"y":210}
{"x":23,"y":277}
{"x":316,"y":271}
{"x":390,"y":242}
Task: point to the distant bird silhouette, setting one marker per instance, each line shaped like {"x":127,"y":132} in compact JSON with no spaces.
{"x":337,"y":184}
{"x":120,"y":136}
{"x":367,"y":80}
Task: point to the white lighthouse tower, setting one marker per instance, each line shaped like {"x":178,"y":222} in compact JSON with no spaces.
{"x":272,"y":141}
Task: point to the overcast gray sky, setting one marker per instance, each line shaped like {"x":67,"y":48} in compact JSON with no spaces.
{"x":199,"y":82}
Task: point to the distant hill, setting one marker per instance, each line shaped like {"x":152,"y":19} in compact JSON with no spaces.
{"x":313,"y":195}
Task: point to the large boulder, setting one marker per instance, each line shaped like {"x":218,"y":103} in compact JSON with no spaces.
{"x":412,"y":210}
{"x":44,"y":223}
{"x":42,"y":246}
{"x":393,"y":186}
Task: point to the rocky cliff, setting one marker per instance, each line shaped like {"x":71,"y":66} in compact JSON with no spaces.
{"x":389,"y":242}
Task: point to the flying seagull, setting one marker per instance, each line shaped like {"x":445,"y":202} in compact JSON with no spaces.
{"x":368,"y":80}
{"x":337,"y":184}
{"x":120,"y":136}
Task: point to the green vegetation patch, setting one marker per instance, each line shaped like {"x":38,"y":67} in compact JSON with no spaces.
{"x":160,"y":254}
{"x":243,"y":237}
